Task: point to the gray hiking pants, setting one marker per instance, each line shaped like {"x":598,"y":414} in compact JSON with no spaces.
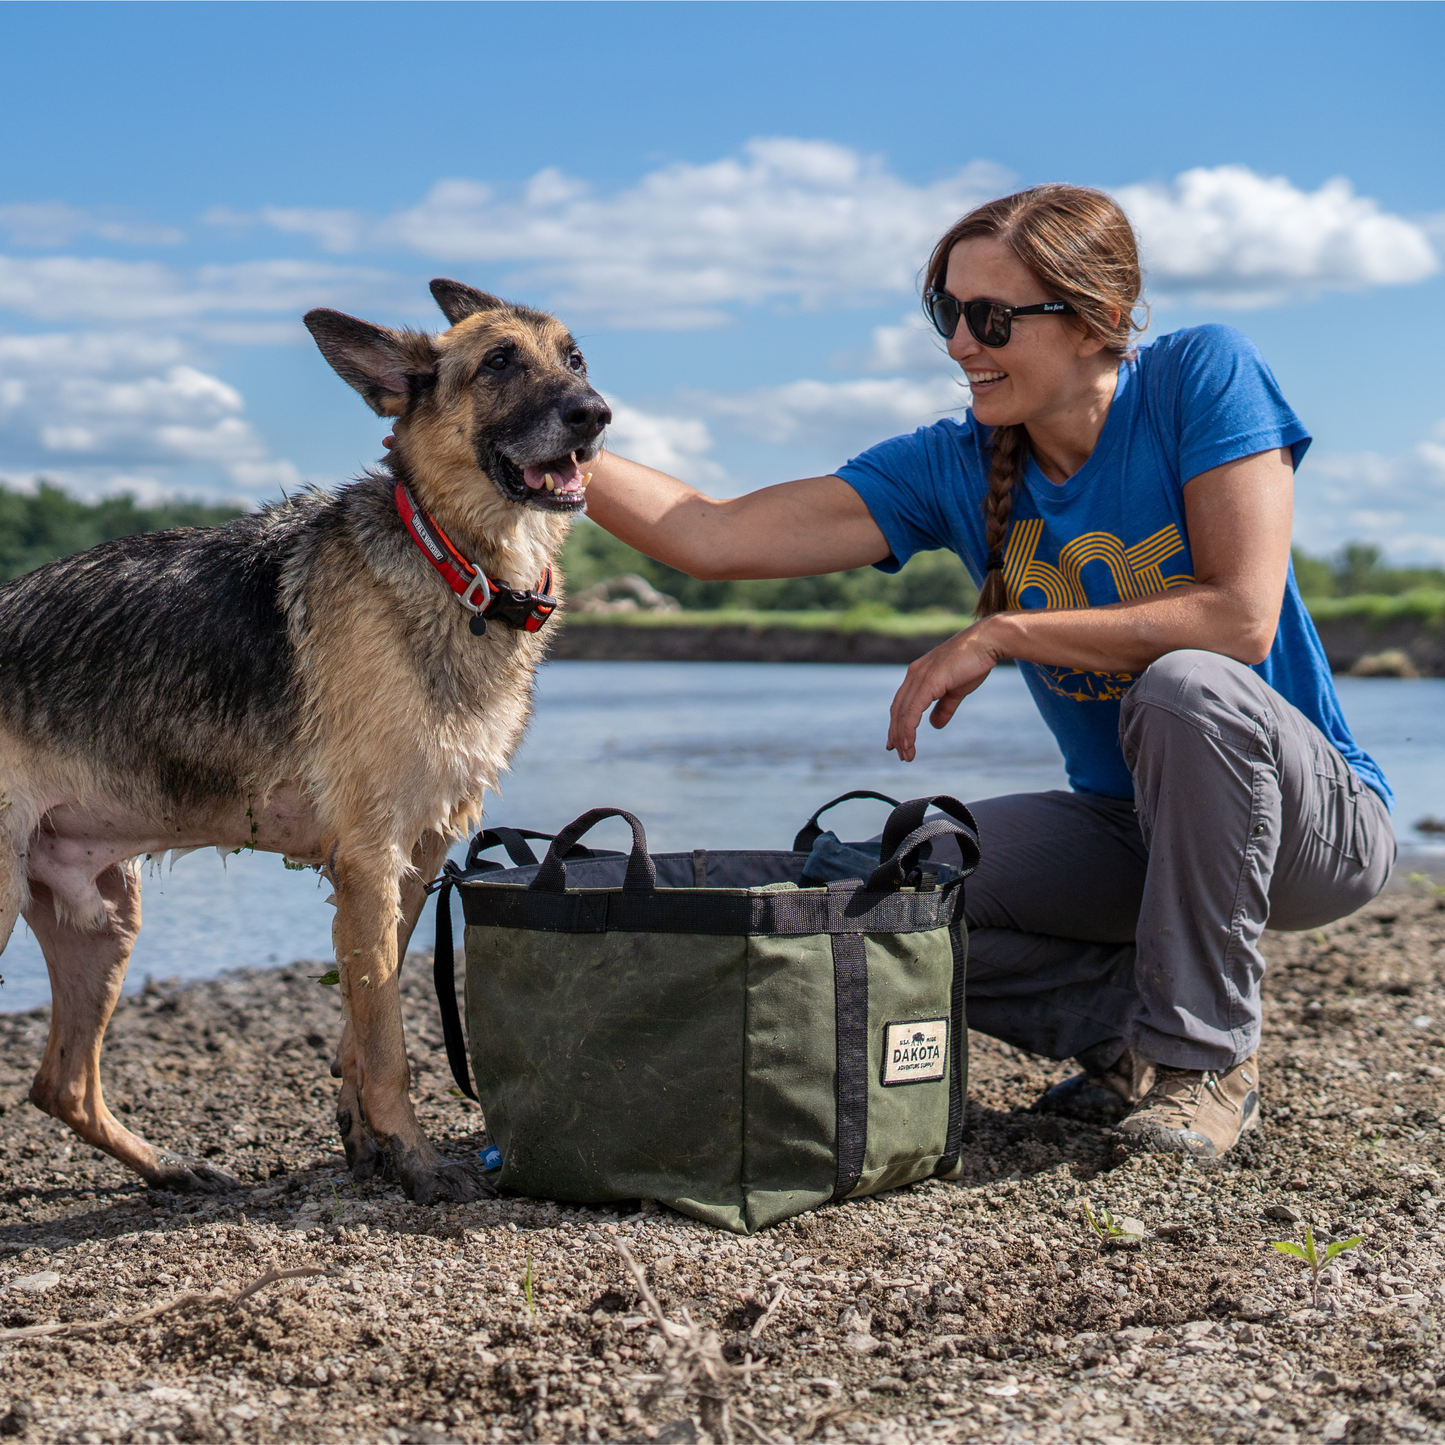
{"x":1097,"y":924}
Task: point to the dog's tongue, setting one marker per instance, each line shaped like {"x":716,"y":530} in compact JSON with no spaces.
{"x":565,"y":475}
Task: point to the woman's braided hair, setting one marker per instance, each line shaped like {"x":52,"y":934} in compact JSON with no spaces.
{"x":1081,"y":247}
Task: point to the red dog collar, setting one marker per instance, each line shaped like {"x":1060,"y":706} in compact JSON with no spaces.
{"x":484,"y":597}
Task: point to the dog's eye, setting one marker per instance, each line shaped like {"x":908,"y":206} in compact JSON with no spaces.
{"x":575,"y":361}
{"x":497,"y":361}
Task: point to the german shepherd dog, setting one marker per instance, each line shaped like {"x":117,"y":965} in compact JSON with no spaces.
{"x":301,"y":681}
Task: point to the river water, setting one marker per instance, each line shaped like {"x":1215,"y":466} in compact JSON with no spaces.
{"x":708,"y":755}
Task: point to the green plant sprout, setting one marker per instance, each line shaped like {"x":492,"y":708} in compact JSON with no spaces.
{"x":1313,"y":1258}
{"x":527,"y":1290}
{"x":330,"y":979}
{"x":1109,"y":1228}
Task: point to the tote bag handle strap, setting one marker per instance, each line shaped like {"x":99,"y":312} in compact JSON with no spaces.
{"x":907,"y":817}
{"x":514,"y":840}
{"x":901,"y":854}
{"x":641,"y":874}
{"x":810,"y":832}
{"x":444,"y":977}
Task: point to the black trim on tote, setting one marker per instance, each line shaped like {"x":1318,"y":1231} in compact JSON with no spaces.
{"x":717,"y":911}
{"x":958,"y":1044}
{"x":850,"y":989}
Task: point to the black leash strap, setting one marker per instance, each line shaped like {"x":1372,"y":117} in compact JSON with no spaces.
{"x":444,"y":976}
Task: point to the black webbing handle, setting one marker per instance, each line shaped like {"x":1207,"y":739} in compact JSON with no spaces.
{"x":514,"y":841}
{"x":641,"y":874}
{"x":810,"y":832}
{"x":907,"y":818}
{"x":893,"y":872}
{"x":443,"y":972}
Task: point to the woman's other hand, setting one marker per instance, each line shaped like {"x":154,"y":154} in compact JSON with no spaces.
{"x":940,"y":679}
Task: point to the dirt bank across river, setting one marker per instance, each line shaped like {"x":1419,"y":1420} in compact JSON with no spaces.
{"x":984,"y":1310}
{"x":1418,"y":646}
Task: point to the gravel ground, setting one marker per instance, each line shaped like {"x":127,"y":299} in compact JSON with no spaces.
{"x":983,"y":1310}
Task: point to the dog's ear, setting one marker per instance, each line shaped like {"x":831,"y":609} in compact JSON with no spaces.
{"x":458,"y":302}
{"x":384,"y":366}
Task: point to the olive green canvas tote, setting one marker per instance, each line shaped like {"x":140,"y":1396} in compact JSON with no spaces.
{"x":708,"y":1029}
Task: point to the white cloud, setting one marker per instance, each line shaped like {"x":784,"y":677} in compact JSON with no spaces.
{"x":1396,"y":502}
{"x":53,"y":223}
{"x":797,"y":221}
{"x":912,"y":348}
{"x":816,"y":224}
{"x":96,"y":406}
{"x":835,"y":418}
{"x":332,"y":230}
{"x":55,"y":288}
{"x":1227,"y":235}
{"x":677,"y":445}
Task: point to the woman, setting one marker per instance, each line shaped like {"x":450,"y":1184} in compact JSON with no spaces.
{"x":1127,"y":514}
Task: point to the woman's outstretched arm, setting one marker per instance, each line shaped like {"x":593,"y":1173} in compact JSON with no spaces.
{"x":795,"y":529}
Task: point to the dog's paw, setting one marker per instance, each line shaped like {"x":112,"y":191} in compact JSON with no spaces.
{"x":364,"y":1159}
{"x":448,"y":1181}
{"x":189,"y":1176}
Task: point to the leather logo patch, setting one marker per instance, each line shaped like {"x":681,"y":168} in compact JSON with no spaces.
{"x":915,"y":1051}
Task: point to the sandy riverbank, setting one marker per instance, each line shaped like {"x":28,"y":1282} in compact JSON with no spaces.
{"x":984,"y":1310}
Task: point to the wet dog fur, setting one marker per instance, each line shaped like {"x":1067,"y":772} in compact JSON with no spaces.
{"x":300,"y":681}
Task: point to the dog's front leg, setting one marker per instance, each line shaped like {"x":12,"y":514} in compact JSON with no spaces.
{"x":366,"y":935}
{"x":363,"y":1158}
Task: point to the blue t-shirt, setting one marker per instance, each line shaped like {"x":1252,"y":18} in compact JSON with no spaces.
{"x":1114,"y":531}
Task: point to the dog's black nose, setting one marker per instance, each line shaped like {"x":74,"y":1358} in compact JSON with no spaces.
{"x":595,"y":414}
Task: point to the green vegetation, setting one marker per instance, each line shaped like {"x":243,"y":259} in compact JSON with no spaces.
{"x":38,"y":529}
{"x":931,"y":593}
{"x":1426,"y":605}
{"x":1109,"y":1229}
{"x":1356,"y":570}
{"x":932,"y":581}
{"x":1352,"y":583}
{"x":1313,"y":1258}
{"x":867,"y":617}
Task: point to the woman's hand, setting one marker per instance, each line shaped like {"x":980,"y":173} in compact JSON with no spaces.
{"x":940,"y":679}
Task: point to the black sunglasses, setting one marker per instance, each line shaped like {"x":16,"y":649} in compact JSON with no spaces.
{"x":988,"y":323}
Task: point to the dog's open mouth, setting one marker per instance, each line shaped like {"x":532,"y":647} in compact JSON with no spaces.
{"x":559,"y":485}
{"x":563,"y":478}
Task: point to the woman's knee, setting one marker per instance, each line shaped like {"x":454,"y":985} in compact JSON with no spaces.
{"x":1192,"y":683}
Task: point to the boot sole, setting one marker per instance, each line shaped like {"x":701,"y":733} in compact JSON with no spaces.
{"x":1188,"y":1141}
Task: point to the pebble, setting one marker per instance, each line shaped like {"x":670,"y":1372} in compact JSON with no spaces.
{"x":36,"y":1283}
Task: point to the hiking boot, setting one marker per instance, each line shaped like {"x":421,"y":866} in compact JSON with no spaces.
{"x":1196,"y":1111}
{"x":1101,"y":1098}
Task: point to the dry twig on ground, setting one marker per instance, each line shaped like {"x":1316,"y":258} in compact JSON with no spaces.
{"x":217,"y":1298}
{"x":693,"y":1362}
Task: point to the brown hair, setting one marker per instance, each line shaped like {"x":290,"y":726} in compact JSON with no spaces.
{"x":1081,"y":247}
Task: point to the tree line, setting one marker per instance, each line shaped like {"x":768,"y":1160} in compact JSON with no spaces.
{"x":37,"y":527}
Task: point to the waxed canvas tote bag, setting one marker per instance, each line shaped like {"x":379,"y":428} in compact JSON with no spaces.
{"x":714,"y":1030}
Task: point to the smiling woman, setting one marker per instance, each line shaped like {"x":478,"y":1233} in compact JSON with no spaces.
{"x":1128,"y":512}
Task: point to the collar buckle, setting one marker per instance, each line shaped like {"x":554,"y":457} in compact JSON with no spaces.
{"x":479,"y":594}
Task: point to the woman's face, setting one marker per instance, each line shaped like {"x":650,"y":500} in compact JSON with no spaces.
{"x":1049,"y":364}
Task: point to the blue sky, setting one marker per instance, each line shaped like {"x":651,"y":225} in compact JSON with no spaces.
{"x":728,"y":203}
